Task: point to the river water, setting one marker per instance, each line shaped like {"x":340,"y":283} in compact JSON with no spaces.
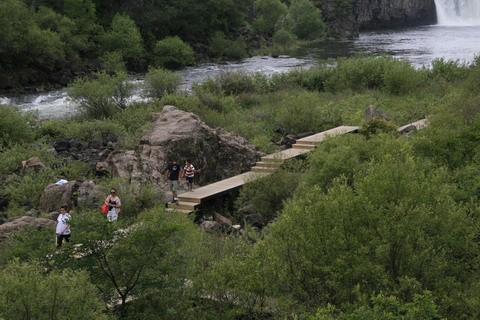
{"x":419,"y":45}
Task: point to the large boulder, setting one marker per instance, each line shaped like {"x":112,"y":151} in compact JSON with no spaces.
{"x":179,"y":135}
{"x":89,"y":195}
{"x":33,"y":163}
{"x":16,"y":224}
{"x":371,"y":112}
{"x":55,"y":195}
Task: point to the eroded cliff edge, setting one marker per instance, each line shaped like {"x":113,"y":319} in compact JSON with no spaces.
{"x":346,"y":17}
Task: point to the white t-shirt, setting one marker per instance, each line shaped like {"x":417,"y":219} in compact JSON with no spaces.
{"x":62,"y":221}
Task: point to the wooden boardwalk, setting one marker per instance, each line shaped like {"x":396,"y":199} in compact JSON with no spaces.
{"x":188,"y":201}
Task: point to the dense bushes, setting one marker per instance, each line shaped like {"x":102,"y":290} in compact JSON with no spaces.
{"x":172,"y":52}
{"x":16,"y":127}
{"x":159,"y":82}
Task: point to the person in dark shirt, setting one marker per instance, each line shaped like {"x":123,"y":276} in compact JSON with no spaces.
{"x":172,"y":176}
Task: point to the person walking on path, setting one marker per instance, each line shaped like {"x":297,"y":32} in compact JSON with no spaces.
{"x":113,"y":202}
{"x":189,"y":173}
{"x":172,"y":175}
{"x":63,"y":228}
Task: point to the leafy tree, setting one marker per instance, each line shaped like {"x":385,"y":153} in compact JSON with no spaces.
{"x":82,"y":12}
{"x":159,"y":82}
{"x":123,"y":37}
{"x":306,"y":20}
{"x":15,"y":126}
{"x":172,"y":52}
{"x":268,"y":14}
{"x":283,"y":38}
{"x":100,"y":97}
{"x":148,"y":258}
{"x":26,"y":292}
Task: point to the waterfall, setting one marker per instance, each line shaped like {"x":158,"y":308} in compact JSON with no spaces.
{"x":458,"y":12}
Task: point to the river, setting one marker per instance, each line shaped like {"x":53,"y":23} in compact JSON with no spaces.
{"x":420,"y":45}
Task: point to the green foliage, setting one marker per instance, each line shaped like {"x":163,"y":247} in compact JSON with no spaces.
{"x":268,"y":14}
{"x":26,"y":292}
{"x":220,"y":47}
{"x":22,"y":37}
{"x":283,"y":38}
{"x":400,"y":77}
{"x":172,"y":52}
{"x":383,"y":307}
{"x":377,"y":126}
{"x":11,"y":159}
{"x":304,"y":112}
{"x":16,"y":127}
{"x":123,"y":37}
{"x":159,"y":82}
{"x":449,"y":70}
{"x":25,"y":190}
{"x":100,"y":97}
{"x":27,"y":245}
{"x":147,"y":259}
{"x":267,"y":195}
{"x":135,"y":198}
{"x":306,"y":20}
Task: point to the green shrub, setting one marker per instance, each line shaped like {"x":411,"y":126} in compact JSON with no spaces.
{"x":159,"y":82}
{"x":15,"y":126}
{"x":100,"y":96}
{"x":306,"y":20}
{"x":400,"y":77}
{"x":11,"y":159}
{"x":172,"y":52}
{"x":123,"y":37}
{"x":268,"y":13}
{"x":377,"y":126}
{"x":283,"y":38}
{"x":304,"y":112}
{"x":450,"y":70}
{"x":135,"y":197}
{"x":25,"y":190}
{"x":358,"y":73}
{"x":220,"y":47}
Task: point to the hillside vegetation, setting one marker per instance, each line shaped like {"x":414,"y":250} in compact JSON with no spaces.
{"x":367,"y":226}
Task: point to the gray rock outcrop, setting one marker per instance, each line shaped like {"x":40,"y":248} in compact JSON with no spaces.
{"x":17,"y":224}
{"x":394,"y":13}
{"x":55,"y":196}
{"x":371,"y":112}
{"x":33,"y":163}
{"x":179,"y":135}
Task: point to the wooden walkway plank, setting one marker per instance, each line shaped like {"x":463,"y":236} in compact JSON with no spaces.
{"x":189,"y":200}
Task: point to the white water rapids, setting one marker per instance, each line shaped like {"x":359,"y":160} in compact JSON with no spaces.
{"x":458,"y":12}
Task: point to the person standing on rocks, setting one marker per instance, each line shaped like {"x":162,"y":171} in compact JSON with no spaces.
{"x":173,"y":177}
{"x":189,"y":173}
{"x":113,"y":202}
{"x":63,"y":228}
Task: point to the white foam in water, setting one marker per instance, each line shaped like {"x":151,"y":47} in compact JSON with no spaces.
{"x":458,"y":12}
{"x":4,"y":100}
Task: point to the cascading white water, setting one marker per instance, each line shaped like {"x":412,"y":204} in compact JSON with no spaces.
{"x":458,"y":12}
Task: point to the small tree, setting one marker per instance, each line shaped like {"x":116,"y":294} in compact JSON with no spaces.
{"x":172,"y":52}
{"x":26,"y":292}
{"x":306,"y":20}
{"x":139,"y":260}
{"x":100,"y":97}
{"x":159,"y":82}
{"x":268,"y":13}
{"x":15,"y":127}
{"x":123,"y":37}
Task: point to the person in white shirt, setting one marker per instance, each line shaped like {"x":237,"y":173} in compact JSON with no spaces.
{"x":63,"y":226}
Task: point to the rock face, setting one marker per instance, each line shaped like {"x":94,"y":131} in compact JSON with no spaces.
{"x":178,"y":135}
{"x":372,"y":14}
{"x":55,"y":196}
{"x":345,"y":18}
{"x":16,"y":224}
